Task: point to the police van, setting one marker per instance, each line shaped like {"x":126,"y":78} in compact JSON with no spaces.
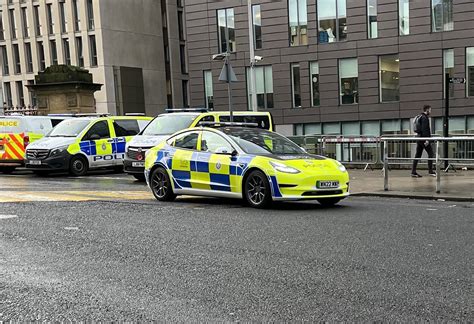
{"x":79,"y":144}
{"x":175,"y":120}
{"x":17,"y":132}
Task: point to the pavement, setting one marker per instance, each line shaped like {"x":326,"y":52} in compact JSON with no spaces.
{"x":455,"y":186}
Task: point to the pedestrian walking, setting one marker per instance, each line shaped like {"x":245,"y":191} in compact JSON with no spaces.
{"x":422,"y":128}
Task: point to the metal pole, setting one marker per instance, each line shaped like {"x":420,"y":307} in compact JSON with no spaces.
{"x":446,"y":121}
{"x":252,"y":85}
{"x":227,"y":68}
{"x":385,"y":165}
{"x":438,"y":174}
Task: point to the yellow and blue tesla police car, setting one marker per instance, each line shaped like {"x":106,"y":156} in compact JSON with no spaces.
{"x":241,"y":162}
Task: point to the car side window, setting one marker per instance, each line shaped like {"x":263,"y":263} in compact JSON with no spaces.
{"x":187,"y":140}
{"x":210,"y":142}
{"x":98,"y":131}
{"x":126,"y":127}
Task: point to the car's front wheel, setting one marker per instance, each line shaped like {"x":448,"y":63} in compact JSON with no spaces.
{"x":257,"y":191}
{"x":328,"y":202}
{"x":160,"y":184}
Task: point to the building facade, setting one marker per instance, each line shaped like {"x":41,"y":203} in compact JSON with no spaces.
{"x":352,"y":67}
{"x":136,"y":49}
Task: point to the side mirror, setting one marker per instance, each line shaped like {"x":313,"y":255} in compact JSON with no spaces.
{"x":225,"y":151}
{"x":94,"y":137}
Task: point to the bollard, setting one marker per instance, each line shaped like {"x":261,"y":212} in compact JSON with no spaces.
{"x":385,"y":165}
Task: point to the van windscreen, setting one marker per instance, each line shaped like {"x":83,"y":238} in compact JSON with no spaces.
{"x":69,"y":128}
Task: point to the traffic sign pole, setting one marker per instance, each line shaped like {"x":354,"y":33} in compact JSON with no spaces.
{"x":446,"y":119}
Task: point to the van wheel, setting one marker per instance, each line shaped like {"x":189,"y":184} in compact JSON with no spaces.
{"x":78,"y":166}
{"x":160,"y":184}
{"x":7,"y":170}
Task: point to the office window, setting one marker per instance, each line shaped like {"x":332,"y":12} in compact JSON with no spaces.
{"x":295,"y":85}
{"x":90,"y":15}
{"x":67,"y":51}
{"x":41,"y":56}
{"x":332,"y":22}
{"x":470,"y":71}
{"x":180,"y":25}
{"x":349,"y":81}
{"x":208,"y":89}
{"x":314,"y":75}
{"x":226,"y":24}
{"x":389,"y":75}
{"x":37,"y":20}
{"x":5,"y":66}
{"x":33,"y":99}
{"x":62,"y":13}
{"x":182,"y":55}
{"x":80,"y":52}
{"x":263,"y":86}
{"x":29,"y":58}
{"x":20,"y":93}
{"x":257,"y":26}
{"x":49,"y":16}
{"x":448,"y":67}
{"x":298,"y":20}
{"x":16,"y":59}
{"x":8,"y":94}
{"x":77,"y":18}
{"x":54,"y":52}
{"x":404,"y":17}
{"x":12,"y":23}
{"x":25,"y":23}
{"x":372,"y":19}
{"x":2,"y":30}
{"x":185,"y":93}
{"x":442,"y":15}
{"x":93,"y":48}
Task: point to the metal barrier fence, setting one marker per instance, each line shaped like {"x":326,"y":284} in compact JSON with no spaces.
{"x":402,"y":150}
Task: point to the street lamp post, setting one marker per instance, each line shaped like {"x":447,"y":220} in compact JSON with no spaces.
{"x":252,"y":86}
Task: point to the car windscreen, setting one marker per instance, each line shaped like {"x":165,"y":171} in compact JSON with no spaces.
{"x":259,"y":141}
{"x":168,"y":124}
{"x":69,"y":128}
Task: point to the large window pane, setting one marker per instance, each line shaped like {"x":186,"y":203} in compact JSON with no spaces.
{"x":208,"y":90}
{"x":448,"y":66}
{"x":298,"y":22}
{"x":295,"y":85}
{"x":389,"y":78}
{"x":263,"y":86}
{"x":12,"y":23}
{"x":404,"y":16}
{"x":257,"y":26}
{"x":470,"y":71}
{"x":341,"y":20}
{"x":372,"y":18}
{"x":314,"y":75}
{"x":332,"y":22}
{"x":5,"y":65}
{"x":226,"y":29}
{"x":349,"y":81}
{"x":16,"y":58}
{"x":442,"y":15}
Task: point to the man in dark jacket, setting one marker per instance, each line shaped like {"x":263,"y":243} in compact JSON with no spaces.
{"x":425,"y":131}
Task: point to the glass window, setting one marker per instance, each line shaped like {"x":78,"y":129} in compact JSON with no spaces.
{"x":210,"y":142}
{"x":311,"y":129}
{"x":54,"y":52}
{"x":77,"y":18}
{"x":49,"y":13}
{"x":448,"y":66}
{"x":389,"y":74}
{"x":37,"y":20}
{"x":180,"y":25}
{"x":184,"y":84}
{"x":5,"y":65}
{"x":12,"y":23}
{"x":391,"y":126}
{"x":208,"y":89}
{"x":295,"y":85}
{"x":168,"y":124}
{"x":470,"y":124}
{"x":351,"y":128}
{"x":331,"y":129}
{"x":126,"y":127}
{"x":69,"y":128}
{"x":257,"y":26}
{"x":226,"y":25}
{"x":349,"y":81}
{"x":62,"y":13}
{"x":457,"y":125}
{"x":67,"y":51}
{"x":314,"y":75}
{"x":80,"y":51}
{"x":182,"y":56}
{"x":372,"y":18}
{"x":8,"y":94}
{"x":470,"y":71}
{"x":29,"y":58}
{"x":101,"y":129}
{"x":42,"y":62}
{"x":186,"y":140}
{"x":26,"y":26}
{"x":298,"y":20}
{"x":90,"y":15}
{"x":263,"y":86}
{"x":2,"y":31}
{"x":332,"y":20}
{"x":262,"y":121}
{"x":404,"y":17}
{"x":371,"y":128}
{"x":93,"y":48}
{"x":33,"y":101}
{"x":16,"y":58}
{"x":20,"y":93}
{"x":442,"y":15}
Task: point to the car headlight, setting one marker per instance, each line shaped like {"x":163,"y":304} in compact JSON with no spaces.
{"x":59,"y":150}
{"x":340,"y":166}
{"x":284,"y":168}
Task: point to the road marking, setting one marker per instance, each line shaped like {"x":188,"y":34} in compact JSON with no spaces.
{"x":431,"y":209}
{"x":8,"y":216}
{"x":28,"y":196}
{"x":71,"y":228}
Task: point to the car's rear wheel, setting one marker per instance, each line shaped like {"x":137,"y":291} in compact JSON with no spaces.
{"x":160,"y":184}
{"x":328,"y":202}
{"x":139,"y":177}
{"x":78,"y":166}
{"x":257,"y":191}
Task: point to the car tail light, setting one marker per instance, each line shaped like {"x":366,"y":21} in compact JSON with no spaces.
{"x":26,"y":141}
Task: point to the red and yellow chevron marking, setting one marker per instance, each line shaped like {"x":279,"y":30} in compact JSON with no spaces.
{"x":12,"y":147}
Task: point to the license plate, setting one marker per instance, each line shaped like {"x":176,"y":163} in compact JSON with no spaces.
{"x":34,"y":162}
{"x":138,"y":164}
{"x":327,"y":184}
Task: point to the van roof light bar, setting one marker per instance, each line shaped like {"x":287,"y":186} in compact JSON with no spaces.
{"x":81,"y":115}
{"x":171,"y":110}
{"x":222,"y":124}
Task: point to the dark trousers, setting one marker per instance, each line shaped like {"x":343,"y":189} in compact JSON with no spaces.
{"x":420,"y":146}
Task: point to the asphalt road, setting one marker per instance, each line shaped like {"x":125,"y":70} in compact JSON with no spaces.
{"x":212,"y":260}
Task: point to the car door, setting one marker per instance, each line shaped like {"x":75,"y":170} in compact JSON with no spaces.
{"x":214,"y":161}
{"x":124,"y":130}
{"x":183,"y":160}
{"x":97,"y":144}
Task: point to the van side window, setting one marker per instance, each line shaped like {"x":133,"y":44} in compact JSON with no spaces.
{"x":126,"y":127}
{"x":261,"y":121}
{"x":208,"y":118}
{"x":100,"y":129}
